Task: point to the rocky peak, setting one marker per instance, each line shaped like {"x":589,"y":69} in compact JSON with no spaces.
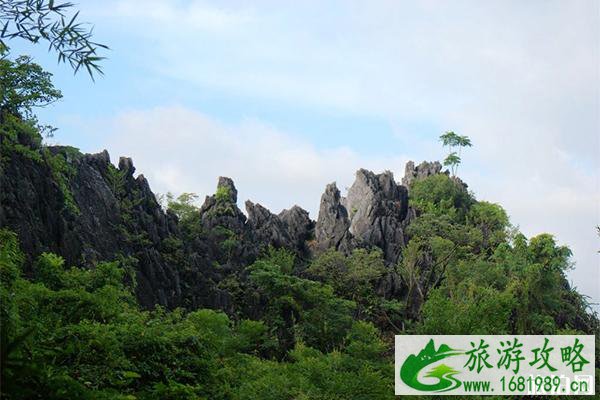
{"x":114,"y":214}
{"x":100,"y":160}
{"x":299,"y":226}
{"x":107,"y":217}
{"x":332,"y":228}
{"x":221,"y":208}
{"x":372,"y":195}
{"x":378,"y":206}
{"x":267,"y":228}
{"x":126,"y":166}
{"x":290,"y":229}
{"x":421,"y":171}
{"x":226,"y":185}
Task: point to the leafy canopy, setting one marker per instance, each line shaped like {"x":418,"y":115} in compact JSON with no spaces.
{"x":24,"y":85}
{"x":452,"y":140}
{"x":78,"y":333}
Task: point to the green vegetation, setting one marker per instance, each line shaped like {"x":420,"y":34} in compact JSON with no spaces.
{"x":228,"y":239}
{"x":13,"y":133}
{"x":183,"y":207}
{"x":75,"y":333}
{"x":356,"y":278}
{"x":24,"y":86}
{"x":188,"y":214}
{"x":452,"y":140}
{"x":116,"y":181}
{"x":223,"y":194}
{"x":62,"y":172}
{"x":224,"y":201}
{"x":321,"y":330}
{"x":55,"y":23}
{"x":441,"y":196}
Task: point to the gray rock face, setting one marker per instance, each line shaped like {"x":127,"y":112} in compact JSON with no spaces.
{"x":300,"y":227}
{"x":332,"y":228}
{"x":126,"y":165}
{"x":378,"y":207}
{"x":421,"y":171}
{"x":290,"y":229}
{"x":31,"y":205}
{"x":221,"y":208}
{"x":224,"y":226}
{"x":116,"y":215}
{"x":267,"y":227}
{"x":227,"y":184}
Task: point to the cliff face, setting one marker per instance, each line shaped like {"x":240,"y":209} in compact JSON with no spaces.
{"x":373,"y":214}
{"x":113,"y":215}
{"x":91,"y":211}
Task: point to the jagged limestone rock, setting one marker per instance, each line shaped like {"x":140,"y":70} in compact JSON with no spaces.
{"x":267,"y":228}
{"x":300,"y":227}
{"x":290,"y":229}
{"x":112,"y":215}
{"x":221,"y":208}
{"x":224,"y":226}
{"x":378,"y":207}
{"x":421,"y":171}
{"x":332,"y":228}
{"x":126,"y":166}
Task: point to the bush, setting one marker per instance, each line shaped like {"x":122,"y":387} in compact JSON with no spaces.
{"x":442,"y":195}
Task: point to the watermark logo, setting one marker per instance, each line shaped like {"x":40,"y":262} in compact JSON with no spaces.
{"x":414,"y":364}
{"x":495,"y":365}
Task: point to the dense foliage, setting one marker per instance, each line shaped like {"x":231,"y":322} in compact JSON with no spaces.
{"x":75,"y":333}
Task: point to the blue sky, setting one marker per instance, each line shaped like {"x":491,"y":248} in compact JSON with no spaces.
{"x":286,"y":97}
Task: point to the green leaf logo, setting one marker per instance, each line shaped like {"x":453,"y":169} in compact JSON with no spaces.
{"x":413,"y":365}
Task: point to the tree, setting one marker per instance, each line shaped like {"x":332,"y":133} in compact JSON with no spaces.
{"x":24,"y":86}
{"x":452,"y":140}
{"x":463,"y":141}
{"x":35,"y":20}
{"x":183,"y":206}
{"x":452,"y":161}
{"x":352,"y":277}
{"x":492,"y":221}
{"x":298,"y":308}
{"x":449,"y":139}
{"x":441,"y":195}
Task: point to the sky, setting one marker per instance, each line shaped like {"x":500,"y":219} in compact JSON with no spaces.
{"x":285,"y":97}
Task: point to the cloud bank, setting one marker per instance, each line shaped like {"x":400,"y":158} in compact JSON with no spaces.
{"x":181,"y":150}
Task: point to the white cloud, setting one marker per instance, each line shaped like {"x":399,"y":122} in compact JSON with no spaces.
{"x":180,"y":150}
